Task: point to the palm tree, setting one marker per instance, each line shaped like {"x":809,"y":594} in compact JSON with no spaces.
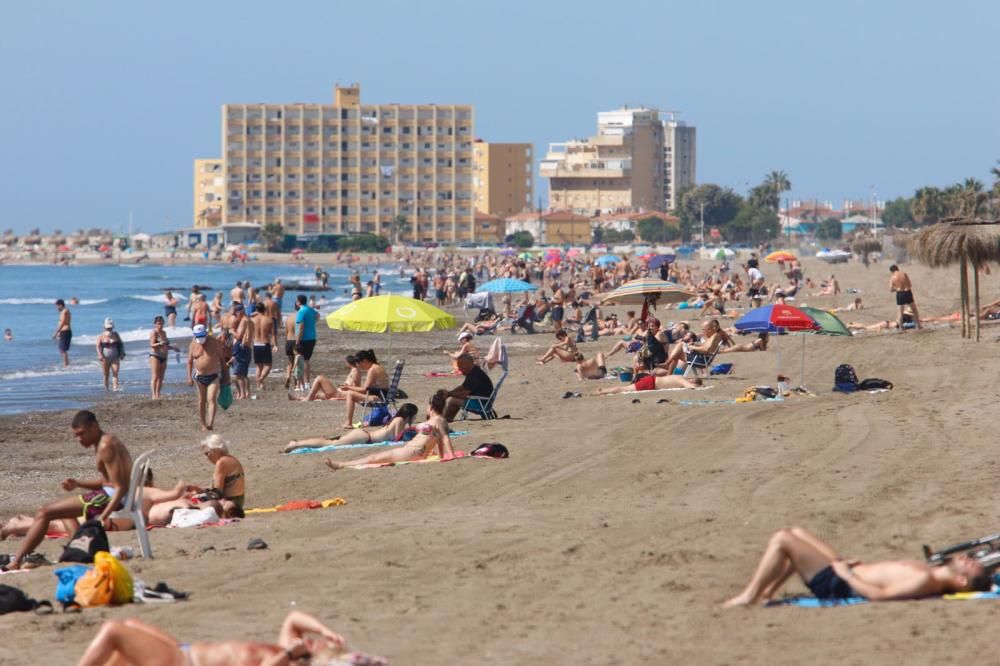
{"x":399,"y":226}
{"x":995,"y":172}
{"x":928,"y":205}
{"x":972,"y":197}
{"x":778,"y":183}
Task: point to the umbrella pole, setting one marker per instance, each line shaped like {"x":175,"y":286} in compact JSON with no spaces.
{"x":975,"y":275}
{"x":802,"y":366}
{"x":961,"y":289}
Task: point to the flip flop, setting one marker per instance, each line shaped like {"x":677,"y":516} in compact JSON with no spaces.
{"x":636,"y":401}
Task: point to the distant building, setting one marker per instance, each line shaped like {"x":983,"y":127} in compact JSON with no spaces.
{"x":502,"y":177}
{"x":232,"y":233}
{"x":635,"y":162}
{"x":490,"y":228}
{"x":561,"y":227}
{"x":627,"y":221}
{"x":348,"y":167}
{"x":209,"y":192}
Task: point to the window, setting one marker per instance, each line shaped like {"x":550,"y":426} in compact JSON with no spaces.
{"x":386,"y":130}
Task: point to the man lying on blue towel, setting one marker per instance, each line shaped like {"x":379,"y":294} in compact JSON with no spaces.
{"x":829,"y":577}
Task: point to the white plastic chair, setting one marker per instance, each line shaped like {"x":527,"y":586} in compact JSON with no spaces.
{"x":132,"y":506}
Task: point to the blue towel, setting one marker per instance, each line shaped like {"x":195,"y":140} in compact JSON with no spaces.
{"x":341,"y":447}
{"x":813,"y":602}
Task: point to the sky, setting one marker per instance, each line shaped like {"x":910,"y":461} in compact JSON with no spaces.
{"x":105,"y":105}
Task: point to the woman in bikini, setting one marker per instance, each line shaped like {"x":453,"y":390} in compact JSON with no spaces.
{"x":395,"y":431}
{"x":324,"y":389}
{"x":302,"y":639}
{"x":564,"y":348}
{"x":376,"y":385}
{"x":159,"y":349}
{"x":757,"y":344}
{"x":227,"y":477}
{"x":110,"y":351}
{"x":431,"y":434}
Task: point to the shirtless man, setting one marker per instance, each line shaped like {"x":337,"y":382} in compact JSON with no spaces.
{"x":265,"y":342}
{"x":199,"y":311}
{"x":64,"y":332}
{"x":595,"y":368}
{"x":195,"y":292}
{"x":102,"y":496}
{"x":236,"y":293}
{"x":277,"y":293}
{"x":560,"y":297}
{"x":290,"y":344}
{"x":900,"y":283}
{"x":243,"y":338}
{"x":204,"y":365}
{"x":830,"y":577}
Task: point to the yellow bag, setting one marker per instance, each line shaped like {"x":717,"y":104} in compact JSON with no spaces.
{"x":121,"y":579}
{"x":107,"y":583}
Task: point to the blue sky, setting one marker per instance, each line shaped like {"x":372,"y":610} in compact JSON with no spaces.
{"x":106,"y":104}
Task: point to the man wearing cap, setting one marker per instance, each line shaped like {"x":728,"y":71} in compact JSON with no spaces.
{"x":204,"y":365}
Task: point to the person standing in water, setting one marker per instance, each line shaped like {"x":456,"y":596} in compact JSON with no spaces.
{"x":64,"y":331}
{"x":170,"y":309}
{"x":159,"y":351}
{"x":110,"y":352}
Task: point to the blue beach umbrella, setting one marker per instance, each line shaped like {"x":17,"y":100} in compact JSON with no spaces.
{"x":606,"y":259}
{"x":505,"y":286}
{"x":659,"y":260}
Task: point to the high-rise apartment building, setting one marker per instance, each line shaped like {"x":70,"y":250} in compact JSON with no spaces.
{"x":348,"y":167}
{"x":502,"y":177}
{"x":209,"y":192}
{"x":635,"y":162}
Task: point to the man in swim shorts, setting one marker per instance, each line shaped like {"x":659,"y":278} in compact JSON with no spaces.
{"x":900,"y":283}
{"x":265,"y":341}
{"x":204,"y":365}
{"x":64,"y":332}
{"x":243,"y":337}
{"x":653,"y":383}
{"x":100,"y":498}
{"x":305,"y":333}
{"x":829,"y":577}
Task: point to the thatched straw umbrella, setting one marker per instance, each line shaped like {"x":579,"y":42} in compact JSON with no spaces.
{"x":866,"y":245}
{"x":964,"y":241}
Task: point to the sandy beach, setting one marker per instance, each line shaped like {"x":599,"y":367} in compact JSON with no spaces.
{"x":611,"y":534}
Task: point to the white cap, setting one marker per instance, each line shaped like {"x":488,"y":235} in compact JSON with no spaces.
{"x":464,"y":334}
{"x":200,"y":333}
{"x":109,"y":323}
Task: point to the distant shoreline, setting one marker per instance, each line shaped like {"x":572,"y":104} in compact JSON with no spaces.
{"x":188,"y":258}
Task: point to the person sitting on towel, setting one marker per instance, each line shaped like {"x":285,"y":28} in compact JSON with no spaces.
{"x":829,"y":577}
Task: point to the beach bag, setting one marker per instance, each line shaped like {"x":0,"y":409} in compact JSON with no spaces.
{"x":491,"y":450}
{"x":88,"y":540}
{"x":66,"y":585}
{"x":13,"y":600}
{"x":874,"y":384}
{"x":225,"y":398}
{"x":122,"y":587}
{"x":845,"y":379}
{"x":721,"y":369}
{"x":378,"y":416}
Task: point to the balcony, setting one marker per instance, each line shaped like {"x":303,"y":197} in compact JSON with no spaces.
{"x":593,"y":169}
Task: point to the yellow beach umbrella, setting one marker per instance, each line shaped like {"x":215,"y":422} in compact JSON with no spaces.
{"x":387,"y":314}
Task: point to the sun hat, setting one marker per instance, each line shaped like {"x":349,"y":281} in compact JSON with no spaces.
{"x":464,"y":335}
{"x":109,"y":323}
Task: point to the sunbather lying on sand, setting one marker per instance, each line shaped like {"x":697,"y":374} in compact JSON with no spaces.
{"x":595,"y":368}
{"x":830,"y":577}
{"x":653,"y":383}
{"x":431,"y":434}
{"x":302,"y":639}
{"x":759,"y":343}
{"x":393,"y":431}
{"x":324,"y":389}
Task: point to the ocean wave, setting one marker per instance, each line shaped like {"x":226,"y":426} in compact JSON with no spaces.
{"x":53,"y":371}
{"x":48,"y":301}
{"x":156,"y":298}
{"x":137,"y":335}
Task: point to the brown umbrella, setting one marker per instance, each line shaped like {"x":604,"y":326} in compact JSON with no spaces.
{"x":965,"y":241}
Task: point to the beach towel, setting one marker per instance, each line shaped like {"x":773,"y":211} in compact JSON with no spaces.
{"x":813,"y":602}
{"x":441,"y":373}
{"x":497,"y":355}
{"x":340,"y":447}
{"x":459,"y":455}
{"x":193,"y":517}
{"x":297,"y":505}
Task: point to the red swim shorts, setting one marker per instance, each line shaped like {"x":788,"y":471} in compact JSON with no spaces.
{"x":647,"y":383}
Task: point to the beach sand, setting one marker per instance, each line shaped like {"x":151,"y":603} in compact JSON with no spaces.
{"x":609,"y":536}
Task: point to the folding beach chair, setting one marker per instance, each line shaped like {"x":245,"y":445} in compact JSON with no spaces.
{"x":482,"y":406}
{"x":132,"y":506}
{"x":390,"y":395}
{"x":589,"y":318}
{"x":698,"y":363}
{"x":525,"y":319}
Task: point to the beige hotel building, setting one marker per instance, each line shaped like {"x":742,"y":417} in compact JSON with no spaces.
{"x":635,"y":162}
{"x":503,"y":177}
{"x":348,"y":167}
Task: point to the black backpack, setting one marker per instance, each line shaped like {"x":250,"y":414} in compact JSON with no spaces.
{"x":845,"y":379}
{"x":89,"y":540}
{"x":13,"y":600}
{"x":874,"y":384}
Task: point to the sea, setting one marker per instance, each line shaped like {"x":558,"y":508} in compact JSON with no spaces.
{"x":32,"y":376}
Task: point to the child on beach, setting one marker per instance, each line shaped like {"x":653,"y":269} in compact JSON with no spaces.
{"x":298,"y":371}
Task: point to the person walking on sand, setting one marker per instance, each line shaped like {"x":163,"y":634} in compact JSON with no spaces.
{"x":305,"y":332}
{"x":243,"y":336}
{"x":900,"y":283}
{"x":64,"y":331}
{"x":204,"y":365}
{"x":290,"y":344}
{"x":829,"y":577}
{"x":265,"y":342}
{"x":102,"y":496}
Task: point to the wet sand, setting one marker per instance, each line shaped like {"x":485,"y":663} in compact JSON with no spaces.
{"x":611,"y":534}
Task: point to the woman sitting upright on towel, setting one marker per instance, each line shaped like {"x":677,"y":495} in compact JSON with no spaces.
{"x":324,"y":389}
{"x":394,"y":431}
{"x":431,"y":434}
